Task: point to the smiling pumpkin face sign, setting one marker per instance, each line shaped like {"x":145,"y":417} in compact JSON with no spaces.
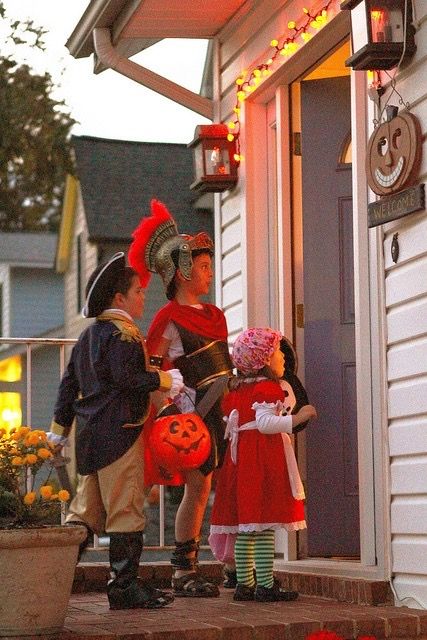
{"x":394,"y":154}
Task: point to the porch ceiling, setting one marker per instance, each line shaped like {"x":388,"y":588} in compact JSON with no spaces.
{"x":137,"y":24}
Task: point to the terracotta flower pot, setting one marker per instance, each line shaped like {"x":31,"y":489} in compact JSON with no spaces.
{"x":36,"y":577}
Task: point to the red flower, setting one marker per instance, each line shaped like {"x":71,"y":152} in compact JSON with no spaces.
{"x":324,"y":635}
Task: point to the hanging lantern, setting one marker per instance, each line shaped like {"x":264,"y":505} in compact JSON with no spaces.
{"x":215,"y":167}
{"x":179,"y":442}
{"x":382,"y":33}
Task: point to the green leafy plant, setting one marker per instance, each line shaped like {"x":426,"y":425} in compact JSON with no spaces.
{"x":25,"y":502}
{"x":35,"y":132}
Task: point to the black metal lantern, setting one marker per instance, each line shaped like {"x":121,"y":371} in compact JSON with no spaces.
{"x":215,"y":166}
{"x":382,"y":33}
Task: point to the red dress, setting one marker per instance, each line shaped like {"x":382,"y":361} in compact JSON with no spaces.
{"x":255,"y":493}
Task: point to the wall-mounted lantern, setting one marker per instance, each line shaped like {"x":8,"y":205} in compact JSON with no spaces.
{"x":215,"y":166}
{"x":382,"y":33}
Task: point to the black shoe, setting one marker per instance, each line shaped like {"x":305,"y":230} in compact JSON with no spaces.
{"x":230,"y":579}
{"x":274,"y":594}
{"x":243,"y":593}
{"x":137,"y":596}
{"x":193,"y":585}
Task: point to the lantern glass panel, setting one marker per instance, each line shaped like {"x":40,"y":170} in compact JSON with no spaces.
{"x":217,"y":161}
{"x":386,"y":22}
{"x":359,"y":27}
{"x":199,"y":169}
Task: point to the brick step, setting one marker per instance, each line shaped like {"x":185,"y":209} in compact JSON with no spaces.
{"x":341,"y":589}
{"x":93,"y":576}
{"x":89,"y":618}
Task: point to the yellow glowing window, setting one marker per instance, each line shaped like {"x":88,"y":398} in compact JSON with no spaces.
{"x":10,"y":410}
{"x":11,"y":369}
{"x":346,"y":153}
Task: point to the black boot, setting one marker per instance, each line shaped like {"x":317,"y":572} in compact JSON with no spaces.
{"x":125,"y":590}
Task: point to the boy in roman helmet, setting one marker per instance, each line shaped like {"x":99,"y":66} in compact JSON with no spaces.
{"x":192,"y":335}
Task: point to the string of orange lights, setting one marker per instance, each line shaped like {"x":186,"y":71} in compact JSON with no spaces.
{"x":247,"y":82}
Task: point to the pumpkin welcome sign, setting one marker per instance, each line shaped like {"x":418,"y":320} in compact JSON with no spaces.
{"x":393,"y":161}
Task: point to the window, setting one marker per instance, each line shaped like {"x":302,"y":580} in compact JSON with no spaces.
{"x":344,"y":160}
{"x":10,"y":401}
{"x":10,"y":410}
{"x":11,"y":369}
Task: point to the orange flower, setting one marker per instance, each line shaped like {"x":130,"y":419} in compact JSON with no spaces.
{"x":46,"y":491}
{"x":44,"y":453}
{"x":30,"y":458}
{"x":22,"y":431}
{"x":17,"y":461}
{"x":63,"y":495}
{"x":29,"y":497}
{"x":32,"y":438}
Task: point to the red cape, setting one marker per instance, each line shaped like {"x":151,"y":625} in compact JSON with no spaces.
{"x":208,"y":322}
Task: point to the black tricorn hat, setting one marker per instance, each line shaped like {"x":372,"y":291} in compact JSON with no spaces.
{"x":101,"y":285}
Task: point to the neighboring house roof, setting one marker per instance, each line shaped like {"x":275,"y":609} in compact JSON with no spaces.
{"x":28,"y":249}
{"x":119,"y":178}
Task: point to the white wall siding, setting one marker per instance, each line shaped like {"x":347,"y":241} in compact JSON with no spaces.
{"x":408,"y":436}
{"x":408,"y":515}
{"x":234,"y":320}
{"x":407,"y":321}
{"x":231,"y":290}
{"x":406,"y":304}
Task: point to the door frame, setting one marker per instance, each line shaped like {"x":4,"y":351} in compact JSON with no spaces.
{"x":370,"y":323}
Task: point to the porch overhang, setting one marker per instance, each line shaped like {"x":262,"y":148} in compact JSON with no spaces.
{"x":115,"y":30}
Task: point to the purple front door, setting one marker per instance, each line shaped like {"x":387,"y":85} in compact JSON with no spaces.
{"x":330,"y":374}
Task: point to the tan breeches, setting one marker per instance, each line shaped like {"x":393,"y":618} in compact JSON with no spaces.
{"x":112,"y":499}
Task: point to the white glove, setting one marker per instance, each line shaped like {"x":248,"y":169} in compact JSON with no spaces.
{"x":177,"y":382}
{"x":55,"y":439}
{"x":268,"y":422}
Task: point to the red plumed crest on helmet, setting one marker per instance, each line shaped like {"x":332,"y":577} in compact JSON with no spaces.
{"x":151,"y":231}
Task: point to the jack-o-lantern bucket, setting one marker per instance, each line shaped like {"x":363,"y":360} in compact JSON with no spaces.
{"x":180,"y":441}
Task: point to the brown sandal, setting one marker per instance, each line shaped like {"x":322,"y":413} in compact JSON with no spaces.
{"x":193,"y":585}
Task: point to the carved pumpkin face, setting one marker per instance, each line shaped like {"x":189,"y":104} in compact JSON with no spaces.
{"x":394,"y":154}
{"x":180,"y":441}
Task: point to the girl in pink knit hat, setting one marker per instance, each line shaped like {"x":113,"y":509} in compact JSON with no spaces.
{"x":259,"y":489}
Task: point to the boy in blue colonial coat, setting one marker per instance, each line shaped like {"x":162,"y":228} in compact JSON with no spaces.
{"x":106,"y":389}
